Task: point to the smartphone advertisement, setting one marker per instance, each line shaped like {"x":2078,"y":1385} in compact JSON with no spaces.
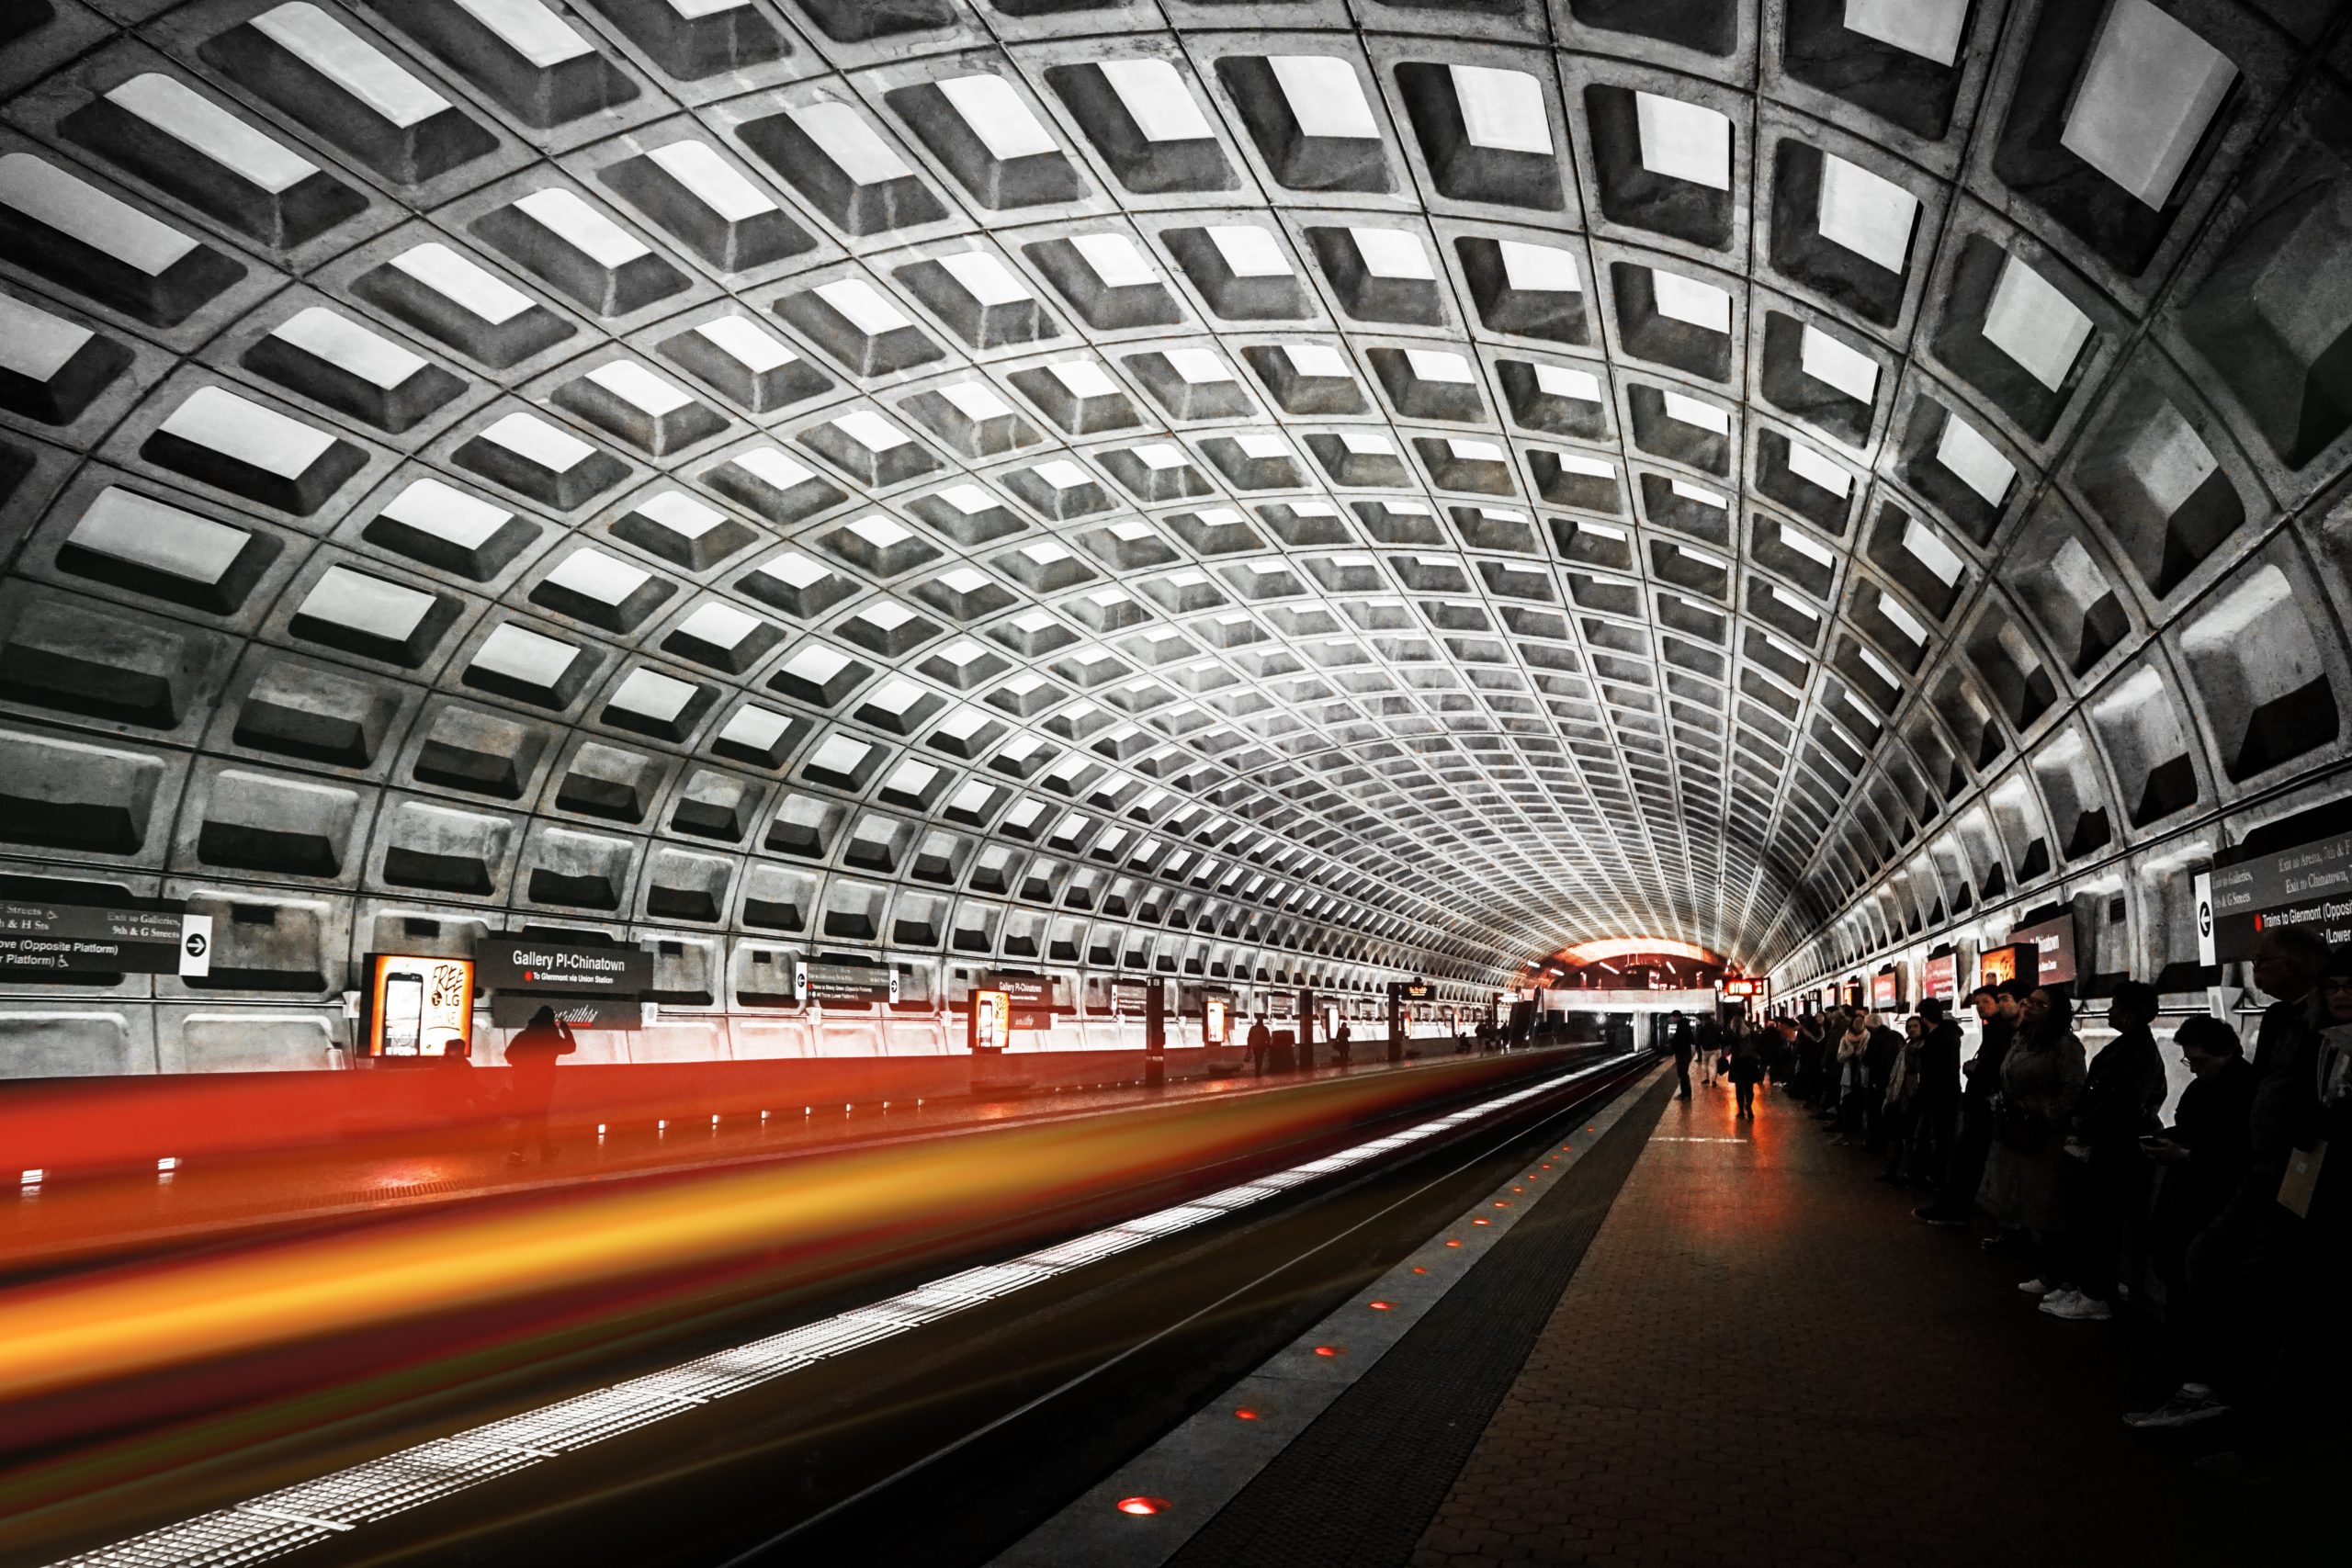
{"x":417,"y":1006}
{"x":991,"y":1019}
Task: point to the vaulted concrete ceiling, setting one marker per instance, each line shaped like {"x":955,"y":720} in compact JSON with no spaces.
{"x":1407,"y":485}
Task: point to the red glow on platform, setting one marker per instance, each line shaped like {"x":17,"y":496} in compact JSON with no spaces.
{"x":1141,"y":1505}
{"x":1502,"y":1202}
{"x":1451,"y":1242}
{"x":1379,"y":1306}
{"x":1482,"y":1221}
{"x":1245,"y":1414}
{"x":1327,"y":1351}
{"x":1417,"y":1269}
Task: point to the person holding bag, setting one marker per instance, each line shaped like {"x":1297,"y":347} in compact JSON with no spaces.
{"x":2041,"y":1078}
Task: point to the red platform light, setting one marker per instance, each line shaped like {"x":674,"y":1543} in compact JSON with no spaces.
{"x":1481,"y":1221}
{"x":1378,"y":1306}
{"x":1245,"y":1414}
{"x":1142,"y":1506}
{"x":1327,"y":1351}
{"x":1418,"y":1270}
{"x":1451,"y":1242}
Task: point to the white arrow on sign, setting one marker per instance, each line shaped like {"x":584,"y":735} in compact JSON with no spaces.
{"x":195,"y":946}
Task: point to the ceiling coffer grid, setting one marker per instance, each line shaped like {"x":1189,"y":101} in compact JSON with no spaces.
{"x":1397,"y":487}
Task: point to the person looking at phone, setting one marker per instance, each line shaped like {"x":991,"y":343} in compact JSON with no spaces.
{"x":531,"y":1058}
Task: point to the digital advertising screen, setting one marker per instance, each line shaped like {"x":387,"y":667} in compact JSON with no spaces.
{"x":991,"y":1020}
{"x":417,"y":1005}
{"x":1213,"y":1020}
{"x":1887,"y":990}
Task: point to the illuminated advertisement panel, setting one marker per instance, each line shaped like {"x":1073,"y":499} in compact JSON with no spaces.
{"x":1213,"y":1020}
{"x":991,"y":1020}
{"x":417,"y":1005}
{"x":1940,"y":976}
{"x":1996,"y":966}
{"x":2052,"y":946}
{"x":1887,"y":990}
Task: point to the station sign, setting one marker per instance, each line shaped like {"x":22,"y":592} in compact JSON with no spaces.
{"x":521,"y":964}
{"x":2052,"y":946}
{"x":84,"y":939}
{"x":1740,"y":986}
{"x":417,"y":1004}
{"x":1031,"y":997}
{"x":848,"y":984}
{"x":2309,"y":886}
{"x":1129,"y":998}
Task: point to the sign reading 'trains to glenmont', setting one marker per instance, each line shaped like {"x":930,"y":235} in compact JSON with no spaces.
{"x":2309,"y":886}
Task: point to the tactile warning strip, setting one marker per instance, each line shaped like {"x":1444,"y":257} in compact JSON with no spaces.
{"x":1306,"y":1475}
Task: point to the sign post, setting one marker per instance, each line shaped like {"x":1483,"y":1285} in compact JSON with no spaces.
{"x":1155,"y":1034}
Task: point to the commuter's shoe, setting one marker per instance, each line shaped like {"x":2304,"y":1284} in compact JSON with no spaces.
{"x":2076,"y":1307}
{"x":2193,"y":1402}
{"x":2034,"y":1286}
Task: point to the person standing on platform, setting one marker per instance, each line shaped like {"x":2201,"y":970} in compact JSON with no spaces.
{"x":2202,"y":1155}
{"x":2123,"y":1093}
{"x":1747,"y":1067}
{"x":1939,"y":1094}
{"x":531,"y":1057}
{"x":1261,"y":1041}
{"x":1342,"y":1043}
{"x":2244,"y":1268}
{"x":1684,"y":1045}
{"x":2042,"y":1081}
{"x":1996,"y":1010}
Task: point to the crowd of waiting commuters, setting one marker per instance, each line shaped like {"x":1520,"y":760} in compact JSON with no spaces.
{"x":2065,"y":1159}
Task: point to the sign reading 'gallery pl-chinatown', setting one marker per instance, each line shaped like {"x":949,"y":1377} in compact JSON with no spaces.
{"x":2309,"y":886}
{"x":510,"y":963}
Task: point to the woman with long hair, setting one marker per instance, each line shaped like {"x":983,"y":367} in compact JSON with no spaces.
{"x":2025,"y":1179}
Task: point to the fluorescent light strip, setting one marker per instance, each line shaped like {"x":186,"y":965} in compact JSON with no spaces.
{"x":284,"y":1521}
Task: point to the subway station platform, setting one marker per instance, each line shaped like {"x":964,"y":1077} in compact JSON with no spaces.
{"x":1712,"y":1342}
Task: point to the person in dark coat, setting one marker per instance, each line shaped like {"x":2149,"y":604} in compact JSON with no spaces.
{"x":2123,"y":1089}
{"x":1341,"y":1043}
{"x":1997,"y":1009}
{"x":2243,"y":1267}
{"x":531,"y":1058}
{"x":1746,"y":1068}
{"x":1880,"y":1059}
{"x":1937,"y":1098}
{"x":2199,"y":1158}
{"x":1685,"y":1046}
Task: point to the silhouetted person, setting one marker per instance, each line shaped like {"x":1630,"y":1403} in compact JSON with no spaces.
{"x":2122,"y":1091}
{"x":1747,"y":1067}
{"x":1260,"y":1039}
{"x":2199,"y":1158}
{"x":1996,"y":1009}
{"x":1939,"y":1094}
{"x":2244,"y":1267}
{"x":1341,"y":1043}
{"x":1685,"y":1045}
{"x":531,"y":1056}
